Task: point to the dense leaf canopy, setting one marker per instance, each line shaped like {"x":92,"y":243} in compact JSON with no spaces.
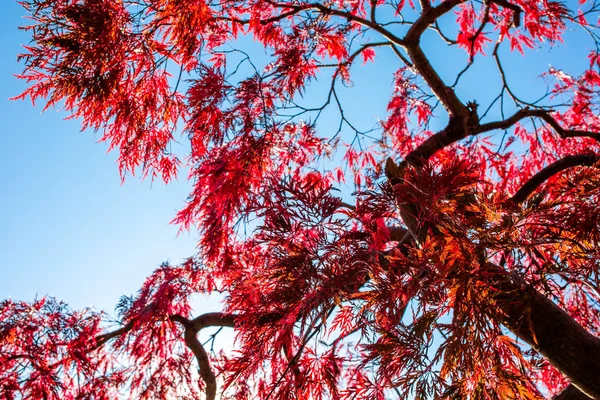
{"x":463,"y":265}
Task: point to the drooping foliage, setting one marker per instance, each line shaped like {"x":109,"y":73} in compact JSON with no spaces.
{"x":450,"y":251}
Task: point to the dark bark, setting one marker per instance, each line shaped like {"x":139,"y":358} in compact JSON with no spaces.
{"x":546,"y":328}
{"x":526,"y":312}
{"x":558,"y":166}
{"x":544,"y":115}
{"x":570,"y":393}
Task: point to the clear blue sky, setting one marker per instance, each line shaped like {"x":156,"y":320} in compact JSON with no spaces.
{"x":68,"y":228}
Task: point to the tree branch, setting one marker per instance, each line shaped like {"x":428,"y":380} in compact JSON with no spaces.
{"x":356,"y":53}
{"x":192,"y":327}
{"x":571,"y":393}
{"x":515,"y":9}
{"x":537,"y":113}
{"x":212,"y":319}
{"x":456,"y":131}
{"x":324,"y":10}
{"x":538,"y":321}
{"x":351,"y":17}
{"x":446,"y":95}
{"x":479,"y":31}
{"x":102,"y":339}
{"x":452,"y":133}
{"x":546,"y":327}
{"x":192,"y":342}
{"x":560,"y":165}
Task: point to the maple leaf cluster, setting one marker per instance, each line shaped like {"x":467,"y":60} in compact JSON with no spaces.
{"x":465,"y":265}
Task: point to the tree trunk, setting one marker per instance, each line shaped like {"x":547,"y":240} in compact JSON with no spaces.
{"x":547,"y":329}
{"x":571,"y":393}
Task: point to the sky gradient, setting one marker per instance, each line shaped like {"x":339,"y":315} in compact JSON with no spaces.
{"x":70,"y":229}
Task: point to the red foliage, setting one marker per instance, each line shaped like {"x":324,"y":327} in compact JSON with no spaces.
{"x":392,"y":295}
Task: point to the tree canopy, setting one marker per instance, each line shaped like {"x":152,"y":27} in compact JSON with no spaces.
{"x":463,"y":264}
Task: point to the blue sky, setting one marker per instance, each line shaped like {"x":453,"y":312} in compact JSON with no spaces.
{"x":68,"y":228}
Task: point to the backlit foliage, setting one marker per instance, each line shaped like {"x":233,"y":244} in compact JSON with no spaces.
{"x":464,"y":224}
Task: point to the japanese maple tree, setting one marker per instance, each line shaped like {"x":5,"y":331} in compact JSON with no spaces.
{"x":463,"y":263}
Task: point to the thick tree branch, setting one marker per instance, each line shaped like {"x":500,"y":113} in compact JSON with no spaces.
{"x":445,"y":94}
{"x":421,"y":64}
{"x":428,"y":17}
{"x":212,"y":319}
{"x":536,"y":113}
{"x":452,"y":133}
{"x":537,"y":320}
{"x":456,"y":131}
{"x":192,"y":327}
{"x":546,"y":328}
{"x":571,"y":393}
{"x":192,"y":342}
{"x":560,"y":165}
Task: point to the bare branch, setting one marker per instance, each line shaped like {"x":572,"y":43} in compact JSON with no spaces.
{"x":515,"y":98}
{"x":436,"y":27}
{"x":401,"y":56}
{"x":355,"y":54}
{"x":351,"y":17}
{"x":564,"y":163}
{"x":506,"y":123}
{"x":373,"y":11}
{"x":429,"y":16}
{"x":537,"y":113}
